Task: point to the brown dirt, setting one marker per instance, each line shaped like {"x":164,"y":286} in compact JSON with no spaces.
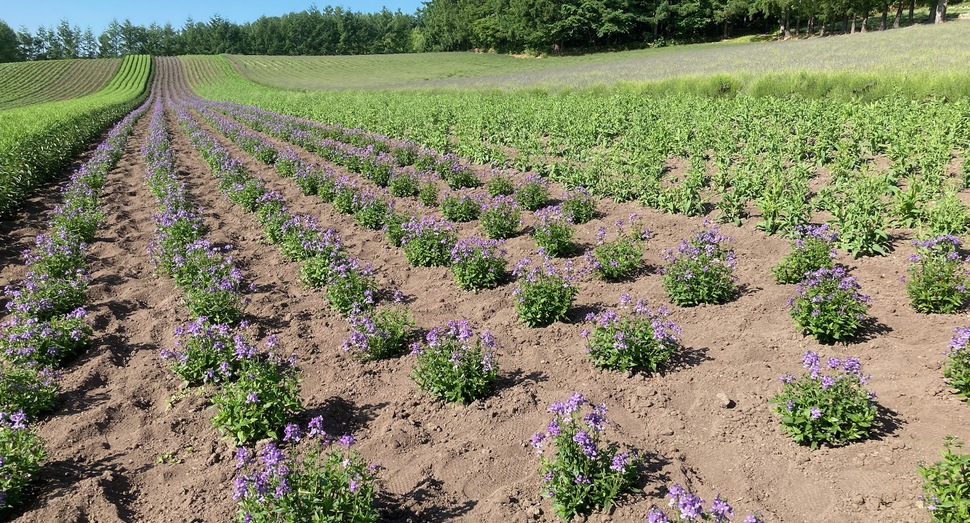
{"x":122,"y":409}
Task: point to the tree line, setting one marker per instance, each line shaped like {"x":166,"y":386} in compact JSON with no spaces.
{"x":540,"y":26}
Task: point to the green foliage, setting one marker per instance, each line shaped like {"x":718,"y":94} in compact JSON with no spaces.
{"x":372,"y":213}
{"x":478,"y":264}
{"x":404,"y":184}
{"x":456,"y":364}
{"x":23,"y":452}
{"x":639,"y":340}
{"x":319,"y":482}
{"x":828,"y":405}
{"x":533,"y":194}
{"x":39,"y":141}
{"x":28,"y":388}
{"x":380,"y":334}
{"x":350,"y":286}
{"x":26,"y":340}
{"x":500,"y":185}
{"x":543,"y":293}
{"x":428,"y":194}
{"x":701,"y":271}
{"x":829,"y":306}
{"x":259,"y":402}
{"x":553,"y":232}
{"x":620,"y":257}
{"x":460,"y":207}
{"x":812,"y":249}
{"x":579,"y":205}
{"x":938,"y":280}
{"x":957,"y":367}
{"x":946,"y":485}
{"x":428,"y":242}
{"x":861,"y":218}
{"x":501,"y":218}
{"x":583,"y":472}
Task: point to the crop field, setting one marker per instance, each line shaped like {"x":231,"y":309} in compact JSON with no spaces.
{"x":39,"y":140}
{"x":26,"y":83}
{"x":493,"y":305}
{"x":917,"y":59}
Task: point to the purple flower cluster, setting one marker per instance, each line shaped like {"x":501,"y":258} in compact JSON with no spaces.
{"x":456,"y":363}
{"x":690,"y":507}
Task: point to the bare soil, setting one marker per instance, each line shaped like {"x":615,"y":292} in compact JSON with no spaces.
{"x":127,"y":443}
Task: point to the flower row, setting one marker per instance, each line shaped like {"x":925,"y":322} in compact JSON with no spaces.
{"x":47,"y":323}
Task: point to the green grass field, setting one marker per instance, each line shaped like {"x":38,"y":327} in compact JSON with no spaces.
{"x":908,"y":54}
{"x":27,"y":83}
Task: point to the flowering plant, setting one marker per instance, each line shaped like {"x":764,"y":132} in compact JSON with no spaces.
{"x":581,"y":472}
{"x":828,"y":405}
{"x":829,"y":306}
{"x":500,"y":185}
{"x":701,"y":271}
{"x":22,"y":451}
{"x":812,"y":249}
{"x":262,"y":398}
{"x":553,"y":232}
{"x":322,"y":480}
{"x":45,"y":297}
{"x":945,"y":482}
{"x":691,"y":508}
{"x":478,"y":264}
{"x":938,"y":276}
{"x":372,"y":210}
{"x":456,"y":364}
{"x":403,"y":184}
{"x":384,"y":333}
{"x":45,"y":343}
{"x":500,"y":218}
{"x":350,"y":285}
{"x":620,"y":257}
{"x":957,"y":368}
{"x":543,"y":292}
{"x":533,"y":193}
{"x":428,"y":241}
{"x":460,"y":207}
{"x":28,"y":388}
{"x":206,"y":352}
{"x":579,"y":205}
{"x":641,"y":340}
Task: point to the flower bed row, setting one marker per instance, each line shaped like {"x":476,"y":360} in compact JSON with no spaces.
{"x":47,"y":323}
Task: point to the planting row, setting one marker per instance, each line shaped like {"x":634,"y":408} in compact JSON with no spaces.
{"x":47,"y":323}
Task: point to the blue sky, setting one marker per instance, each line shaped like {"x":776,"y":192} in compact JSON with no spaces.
{"x":97,"y":13}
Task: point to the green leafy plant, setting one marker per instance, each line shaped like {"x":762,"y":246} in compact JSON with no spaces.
{"x":320,"y":480}
{"x":957,"y":367}
{"x":380,"y":334}
{"x":946,"y":485}
{"x":640,"y":340}
{"x":23,"y":452}
{"x":812,"y":249}
{"x":460,"y":207}
{"x":264,"y":395}
{"x":829,"y":405}
{"x":553,"y":232}
{"x":428,"y":194}
{"x":428,"y":241}
{"x":478,"y":264}
{"x":701,"y":271}
{"x":533,"y":193}
{"x":620,"y":257}
{"x":938,"y":280}
{"x":581,"y":470}
{"x":350,"y":285}
{"x":829,"y":306}
{"x":456,"y":364}
{"x":579,"y":206}
{"x":27,"y":388}
{"x":500,"y":218}
{"x":500,"y":185}
{"x":543,"y":293}
{"x":404,"y":184}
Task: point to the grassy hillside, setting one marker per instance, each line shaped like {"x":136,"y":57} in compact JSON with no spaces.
{"x":907,"y":54}
{"x":27,"y":83}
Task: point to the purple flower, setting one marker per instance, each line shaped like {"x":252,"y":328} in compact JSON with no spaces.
{"x":816,"y":413}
